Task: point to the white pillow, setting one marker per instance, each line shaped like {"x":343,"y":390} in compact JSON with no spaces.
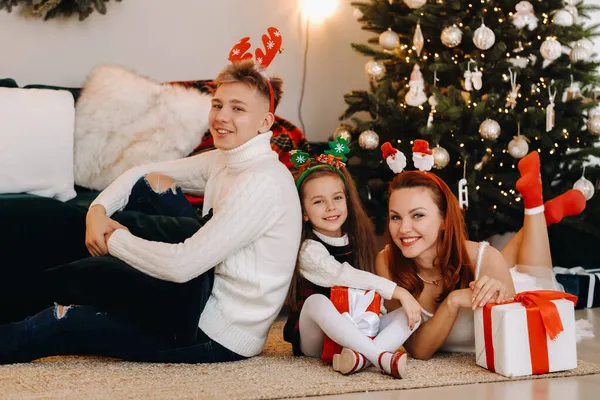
{"x":36,"y":142}
{"x":124,"y":120}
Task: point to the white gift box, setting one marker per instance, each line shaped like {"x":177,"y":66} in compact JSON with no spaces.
{"x":515,"y":338}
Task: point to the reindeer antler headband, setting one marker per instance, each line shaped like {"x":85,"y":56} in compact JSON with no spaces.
{"x":272,"y":45}
{"x":422,"y":158}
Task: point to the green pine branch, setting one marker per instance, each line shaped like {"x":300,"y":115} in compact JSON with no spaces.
{"x":57,"y":8}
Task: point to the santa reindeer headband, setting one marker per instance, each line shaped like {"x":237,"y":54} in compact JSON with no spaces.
{"x":333,"y":159}
{"x":422,"y":158}
{"x":263,"y":59}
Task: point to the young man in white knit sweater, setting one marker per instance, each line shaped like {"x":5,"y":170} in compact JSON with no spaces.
{"x":251,"y":240}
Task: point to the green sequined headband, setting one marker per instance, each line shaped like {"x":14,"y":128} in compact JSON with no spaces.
{"x":334,"y":159}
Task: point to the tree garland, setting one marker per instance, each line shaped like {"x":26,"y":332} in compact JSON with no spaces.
{"x":56,"y":8}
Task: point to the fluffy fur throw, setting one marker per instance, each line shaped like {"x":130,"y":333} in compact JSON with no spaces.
{"x":124,"y":120}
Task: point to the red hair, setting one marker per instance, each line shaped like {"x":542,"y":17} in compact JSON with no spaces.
{"x":452,"y":257}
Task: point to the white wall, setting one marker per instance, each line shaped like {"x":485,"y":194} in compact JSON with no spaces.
{"x":189,"y":40}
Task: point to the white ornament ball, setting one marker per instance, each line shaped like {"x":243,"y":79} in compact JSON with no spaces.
{"x":414,"y":4}
{"x":342,"y":131}
{"x":551,"y":49}
{"x":357,"y":13}
{"x":563,"y":18}
{"x":368,"y":140}
{"x":389,"y":40}
{"x":433,"y":102}
{"x":484,"y":37}
{"x":441,"y":157}
{"x":573,"y":10}
{"x":518,"y":147}
{"x":489,"y":129}
{"x":584,"y":186}
{"x":375,"y":69}
{"x":594,"y":111}
{"x":587,"y":43}
{"x":451,"y":36}
{"x":579,"y":53}
{"x":593,"y":125}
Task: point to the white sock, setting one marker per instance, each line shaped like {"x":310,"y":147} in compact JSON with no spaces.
{"x":535,"y":210}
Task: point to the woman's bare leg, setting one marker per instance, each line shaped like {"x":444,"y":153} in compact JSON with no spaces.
{"x":510,"y":251}
{"x":530,"y":246}
{"x":535,"y":244}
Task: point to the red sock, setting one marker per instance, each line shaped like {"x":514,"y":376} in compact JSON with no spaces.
{"x":530,"y":183}
{"x":572,"y":202}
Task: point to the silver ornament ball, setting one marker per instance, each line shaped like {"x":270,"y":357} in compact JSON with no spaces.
{"x":441,"y":157}
{"x":587,"y":43}
{"x":343,"y":132}
{"x":580,"y":52}
{"x":518,"y":147}
{"x":489,"y":129}
{"x":451,"y":36}
{"x":593,"y":125}
{"x":551,"y":49}
{"x":563,"y":18}
{"x":368,"y":140}
{"x":484,"y":37}
{"x":584,"y":186}
{"x":375,"y":69}
{"x":389,"y":40}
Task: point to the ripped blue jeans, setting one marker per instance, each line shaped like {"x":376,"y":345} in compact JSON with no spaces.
{"x":169,"y":202}
{"x":134,"y":317}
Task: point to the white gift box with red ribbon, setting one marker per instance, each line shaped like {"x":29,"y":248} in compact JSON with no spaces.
{"x":533,"y":335}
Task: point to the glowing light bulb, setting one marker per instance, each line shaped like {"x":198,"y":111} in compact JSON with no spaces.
{"x":319,"y":10}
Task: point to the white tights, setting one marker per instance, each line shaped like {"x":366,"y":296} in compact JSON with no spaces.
{"x":319,"y":317}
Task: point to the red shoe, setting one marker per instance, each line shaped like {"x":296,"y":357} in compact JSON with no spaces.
{"x":398,"y":363}
{"x":349,"y":361}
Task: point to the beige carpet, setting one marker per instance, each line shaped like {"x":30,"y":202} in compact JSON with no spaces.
{"x":276,"y":374}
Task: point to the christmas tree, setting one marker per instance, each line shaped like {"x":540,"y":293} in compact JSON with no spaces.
{"x":485,"y":82}
{"x":54,"y":8}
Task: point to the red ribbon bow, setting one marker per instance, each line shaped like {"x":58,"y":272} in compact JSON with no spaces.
{"x":542,"y":318}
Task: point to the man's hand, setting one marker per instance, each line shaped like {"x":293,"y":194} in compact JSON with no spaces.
{"x":97,"y":226}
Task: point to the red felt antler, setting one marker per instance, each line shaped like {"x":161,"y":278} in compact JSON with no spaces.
{"x":272,"y":45}
{"x":239,"y":51}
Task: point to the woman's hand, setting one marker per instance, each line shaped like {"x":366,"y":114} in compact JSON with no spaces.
{"x":460,"y":298}
{"x":488,"y":290}
{"x":97,"y":226}
{"x":411,"y":306}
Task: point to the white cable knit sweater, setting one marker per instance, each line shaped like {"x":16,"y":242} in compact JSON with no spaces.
{"x":322,"y":269}
{"x":252,"y":239}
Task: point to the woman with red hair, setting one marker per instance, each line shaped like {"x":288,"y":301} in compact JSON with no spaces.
{"x":429,"y":254}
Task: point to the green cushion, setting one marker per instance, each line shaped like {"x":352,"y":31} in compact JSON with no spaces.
{"x":74,"y":91}
{"x":7,"y":82}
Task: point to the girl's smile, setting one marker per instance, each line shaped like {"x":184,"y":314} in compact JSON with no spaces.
{"x":324,"y":201}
